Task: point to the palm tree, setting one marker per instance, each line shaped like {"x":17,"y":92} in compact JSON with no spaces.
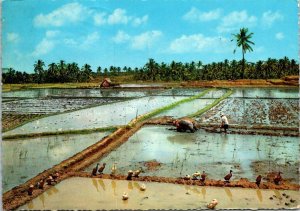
{"x":243,"y":40}
{"x":38,"y":69}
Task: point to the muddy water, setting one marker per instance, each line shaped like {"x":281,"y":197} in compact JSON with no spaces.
{"x":186,"y":153}
{"x":87,"y":193}
{"x":23,"y":159}
{"x":120,"y":113}
{"x":187,"y":108}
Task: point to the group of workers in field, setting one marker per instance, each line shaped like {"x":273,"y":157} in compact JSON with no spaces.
{"x":183,"y":125}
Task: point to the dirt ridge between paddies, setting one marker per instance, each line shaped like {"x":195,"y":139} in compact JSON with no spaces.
{"x":65,"y":132}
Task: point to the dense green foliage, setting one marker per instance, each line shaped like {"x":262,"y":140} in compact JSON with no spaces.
{"x":175,"y":71}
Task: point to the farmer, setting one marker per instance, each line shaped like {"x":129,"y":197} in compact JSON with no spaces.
{"x":184,"y":125}
{"x":224,"y":123}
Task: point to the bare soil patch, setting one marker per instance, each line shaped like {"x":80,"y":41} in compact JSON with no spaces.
{"x":9,"y":121}
{"x":152,"y":165}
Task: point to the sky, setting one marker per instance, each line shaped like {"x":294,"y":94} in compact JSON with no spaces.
{"x":129,"y":32}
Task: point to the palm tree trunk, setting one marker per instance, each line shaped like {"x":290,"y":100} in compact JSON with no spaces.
{"x":243,"y":66}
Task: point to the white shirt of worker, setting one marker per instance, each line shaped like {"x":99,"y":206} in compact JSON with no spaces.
{"x":224,"y":120}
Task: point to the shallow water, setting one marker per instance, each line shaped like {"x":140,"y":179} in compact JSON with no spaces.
{"x":24,"y":158}
{"x":182,"y":91}
{"x":120,"y":113}
{"x":276,"y":112}
{"x":107,"y":194}
{"x":215,"y":153}
{"x":187,"y":108}
{"x":56,"y":92}
{"x":53,"y":105}
{"x":266,"y":93}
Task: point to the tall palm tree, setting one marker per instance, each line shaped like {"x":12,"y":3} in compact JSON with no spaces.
{"x":243,"y":40}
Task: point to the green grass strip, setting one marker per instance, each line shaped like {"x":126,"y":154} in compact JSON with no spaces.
{"x":216,"y":102}
{"x":168,"y":107}
{"x":83,"y":131}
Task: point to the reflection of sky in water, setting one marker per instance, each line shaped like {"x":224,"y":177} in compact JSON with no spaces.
{"x":187,"y":108}
{"x":266,"y":93}
{"x":40,"y":93}
{"x":185,"y":153}
{"x":23,"y":159}
{"x":107,"y":194}
{"x":101,"y":116}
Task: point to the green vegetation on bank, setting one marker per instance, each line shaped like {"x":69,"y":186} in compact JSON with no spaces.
{"x":170,"y":106}
{"x":216,"y":102}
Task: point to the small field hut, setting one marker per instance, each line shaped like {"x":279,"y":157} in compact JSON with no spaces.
{"x":106,"y":83}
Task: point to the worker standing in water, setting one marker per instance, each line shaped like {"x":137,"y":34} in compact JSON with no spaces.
{"x":224,"y":123}
{"x":183,"y":125}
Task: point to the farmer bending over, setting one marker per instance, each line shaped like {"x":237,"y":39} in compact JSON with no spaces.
{"x":184,"y":125}
{"x":224,"y":122}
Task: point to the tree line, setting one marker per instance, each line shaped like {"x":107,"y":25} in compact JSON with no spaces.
{"x":62,"y":72}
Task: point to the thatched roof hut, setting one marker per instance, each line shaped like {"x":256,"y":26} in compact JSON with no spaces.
{"x":106,"y":83}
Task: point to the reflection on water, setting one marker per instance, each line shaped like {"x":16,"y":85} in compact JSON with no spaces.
{"x":95,"y":183}
{"x":259,"y":195}
{"x":74,"y":192}
{"x":266,"y":93}
{"x":42,"y":199}
{"x":34,"y":155}
{"x":56,"y":92}
{"x":216,"y":154}
{"x":228,"y":193}
{"x":203,"y":191}
{"x":120,"y":113}
{"x":30,"y":205}
{"x":130,"y":186}
{"x":102,"y":184}
{"x":114,"y":186}
{"x":187,"y":108}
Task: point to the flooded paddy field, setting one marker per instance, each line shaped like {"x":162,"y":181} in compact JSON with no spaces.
{"x":120,"y":113}
{"x":107,"y":194}
{"x":52,"y":105}
{"x":23,"y":159}
{"x":179,"y":154}
{"x":25,"y":105}
{"x":271,"y":112}
{"x":56,"y":92}
{"x":187,"y":108}
{"x":160,"y":150}
{"x":286,"y":93}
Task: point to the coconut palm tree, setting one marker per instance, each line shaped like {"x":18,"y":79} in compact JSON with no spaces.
{"x":39,"y":70}
{"x":243,"y":40}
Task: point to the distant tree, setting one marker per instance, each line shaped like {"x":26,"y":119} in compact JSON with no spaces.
{"x":39,"y":70}
{"x":99,"y":71}
{"x":151,"y":68}
{"x":243,"y":40}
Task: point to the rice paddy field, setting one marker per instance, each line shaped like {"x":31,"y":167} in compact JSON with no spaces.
{"x":29,"y":151}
